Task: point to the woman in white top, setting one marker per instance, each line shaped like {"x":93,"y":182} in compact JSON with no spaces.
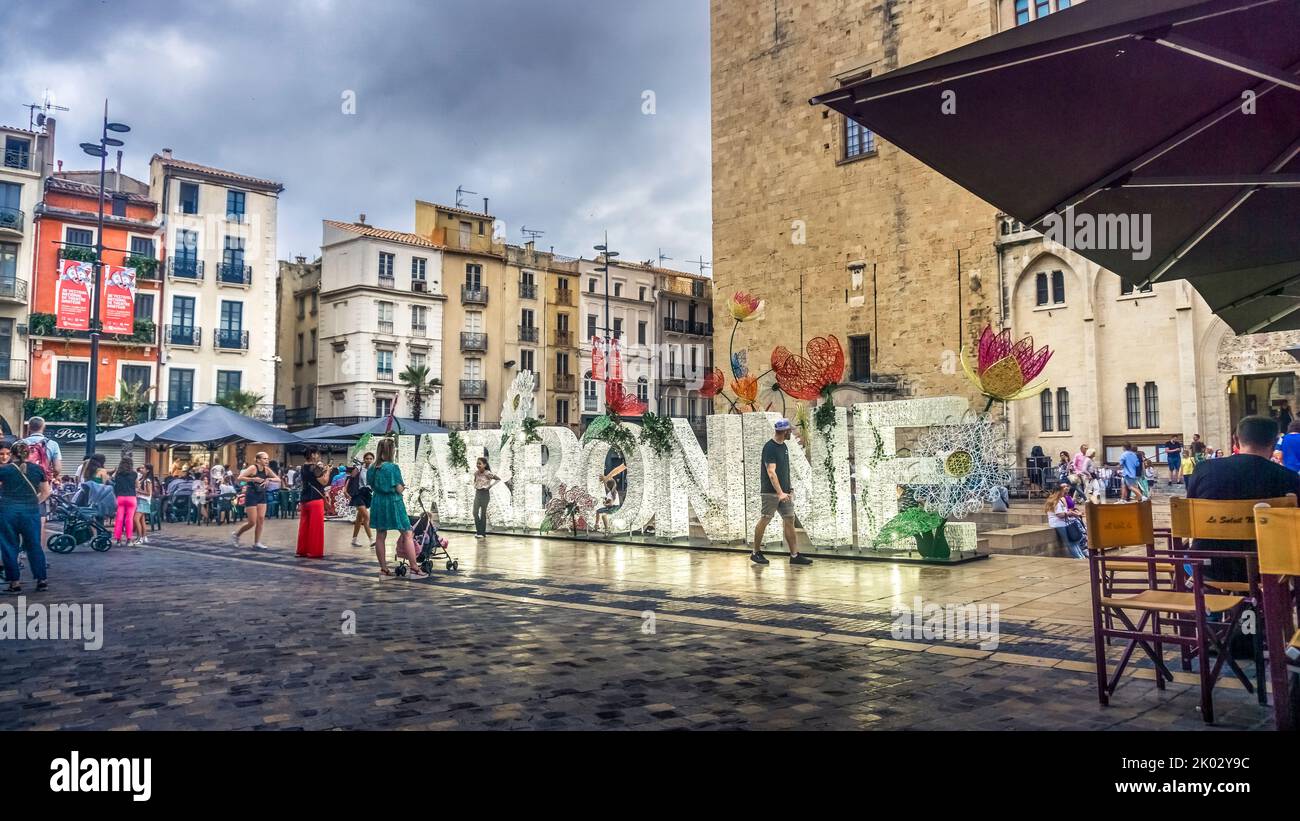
{"x":610,"y":505}
{"x":1059,"y":516}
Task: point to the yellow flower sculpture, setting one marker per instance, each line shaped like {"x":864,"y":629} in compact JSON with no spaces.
{"x":744,"y":307}
{"x":1005,"y":370}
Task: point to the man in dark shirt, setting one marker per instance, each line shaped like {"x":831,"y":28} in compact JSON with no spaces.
{"x":1250,"y":474}
{"x":774,"y":490}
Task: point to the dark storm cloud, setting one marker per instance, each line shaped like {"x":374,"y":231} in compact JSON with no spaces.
{"x":537,"y":105}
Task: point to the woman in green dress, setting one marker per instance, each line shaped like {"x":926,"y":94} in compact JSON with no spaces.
{"x":388,"y":511}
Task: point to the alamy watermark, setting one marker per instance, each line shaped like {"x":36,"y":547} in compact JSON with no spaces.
{"x":929,"y":621}
{"x":1101,"y":232}
{"x":52,"y":622}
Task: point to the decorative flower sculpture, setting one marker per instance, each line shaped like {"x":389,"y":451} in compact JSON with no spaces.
{"x":746,"y":389}
{"x":1005,"y":370}
{"x":619,"y":402}
{"x":569,"y":507}
{"x":744,"y":306}
{"x":712,"y":383}
{"x":972,"y":463}
{"x":806,"y":377}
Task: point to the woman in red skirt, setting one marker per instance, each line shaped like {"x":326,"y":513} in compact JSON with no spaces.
{"x":311,"y":516}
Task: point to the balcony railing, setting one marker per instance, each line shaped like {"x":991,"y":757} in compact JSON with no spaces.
{"x":228,"y":339}
{"x":184,"y":268}
{"x":563,"y":296}
{"x":528,"y":290}
{"x":565,"y":383}
{"x":18,"y":158}
{"x":384,"y":376}
{"x":673,"y":372}
{"x":590,"y":404}
{"x":13,"y":370}
{"x":12,"y":219}
{"x":14,"y":289}
{"x":473,"y":296}
{"x":527,"y":333}
{"x":300,"y":416}
{"x":189,"y":336}
{"x":473,"y":389}
{"x":385,"y":326}
{"x":473,"y":341}
{"x":387,"y":282}
{"x":419,"y":330}
{"x":685,"y":326}
{"x":564,"y":339}
{"x":234,"y":274}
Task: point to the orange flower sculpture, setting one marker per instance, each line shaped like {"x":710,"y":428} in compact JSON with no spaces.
{"x":744,"y":306}
{"x":746,"y":389}
{"x":805,"y":377}
{"x":1004,"y":370}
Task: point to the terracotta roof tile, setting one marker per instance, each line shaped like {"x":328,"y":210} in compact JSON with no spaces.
{"x":185,"y":165}
{"x":384,"y":234}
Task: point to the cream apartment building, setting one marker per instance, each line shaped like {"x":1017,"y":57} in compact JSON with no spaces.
{"x":632,"y":312}
{"x":685,"y":328}
{"x":21,"y":175}
{"x":218,"y":309}
{"x":298,"y":337}
{"x":382,"y":306}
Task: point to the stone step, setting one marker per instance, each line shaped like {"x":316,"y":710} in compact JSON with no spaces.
{"x":1030,"y":540}
{"x":989,"y":520}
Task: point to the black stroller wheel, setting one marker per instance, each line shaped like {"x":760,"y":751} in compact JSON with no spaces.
{"x":401,"y":570}
{"x":451,"y":565}
{"x":101,"y":543}
{"x":426,"y":566}
{"x":62,"y":543}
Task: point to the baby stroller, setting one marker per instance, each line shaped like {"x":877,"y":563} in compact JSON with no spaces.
{"x":430,"y":543}
{"x":80,"y":525}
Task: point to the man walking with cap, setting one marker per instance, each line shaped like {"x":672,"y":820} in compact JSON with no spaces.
{"x":774,"y":489}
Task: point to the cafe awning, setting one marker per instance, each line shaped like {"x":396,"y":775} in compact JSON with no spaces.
{"x":1186,"y":112}
{"x":211,"y":425}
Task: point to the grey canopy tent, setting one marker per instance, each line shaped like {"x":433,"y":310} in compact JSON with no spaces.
{"x":1184,"y":110}
{"x":380,"y":424}
{"x":211,"y":425}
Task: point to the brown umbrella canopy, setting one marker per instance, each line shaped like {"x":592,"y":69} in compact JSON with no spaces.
{"x":1158,"y":138}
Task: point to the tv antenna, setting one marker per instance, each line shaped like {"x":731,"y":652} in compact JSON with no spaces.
{"x":461,"y":191}
{"x":34,"y":119}
{"x":663,"y":257}
{"x":531,"y":234}
{"x":700,"y":262}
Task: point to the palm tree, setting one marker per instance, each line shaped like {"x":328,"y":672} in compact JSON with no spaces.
{"x":241,"y":402}
{"x":418,"y":386}
{"x":131,"y":397}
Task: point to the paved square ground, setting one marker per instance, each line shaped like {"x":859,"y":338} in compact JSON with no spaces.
{"x":548,"y":634}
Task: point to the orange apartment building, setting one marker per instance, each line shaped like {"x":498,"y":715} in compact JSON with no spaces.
{"x":65,"y":226}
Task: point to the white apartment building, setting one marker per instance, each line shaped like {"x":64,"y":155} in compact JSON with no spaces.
{"x":20,"y":191}
{"x":218,"y":309}
{"x":381,"y":310}
{"x":632,"y":316}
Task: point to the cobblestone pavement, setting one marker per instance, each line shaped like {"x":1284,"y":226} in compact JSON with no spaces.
{"x":552,"y":635}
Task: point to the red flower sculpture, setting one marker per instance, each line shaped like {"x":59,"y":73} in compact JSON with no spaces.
{"x":713,"y":382}
{"x":806,"y":377}
{"x":619,"y":402}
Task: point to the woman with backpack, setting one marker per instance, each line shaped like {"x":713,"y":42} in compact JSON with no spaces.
{"x":23,"y":487}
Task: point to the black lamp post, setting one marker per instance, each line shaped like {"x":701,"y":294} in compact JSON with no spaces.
{"x":604,"y":250}
{"x":99,"y":149}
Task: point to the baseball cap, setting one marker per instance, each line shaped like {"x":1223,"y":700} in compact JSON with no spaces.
{"x":783,"y":424}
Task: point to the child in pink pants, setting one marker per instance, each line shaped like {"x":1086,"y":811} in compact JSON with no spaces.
{"x":124,"y":485}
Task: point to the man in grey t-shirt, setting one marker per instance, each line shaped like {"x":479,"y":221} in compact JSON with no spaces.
{"x":774,"y":490}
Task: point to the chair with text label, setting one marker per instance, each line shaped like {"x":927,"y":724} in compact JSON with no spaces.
{"x":1277,"y":532}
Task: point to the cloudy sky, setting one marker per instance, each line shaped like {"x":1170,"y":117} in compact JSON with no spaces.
{"x":537,"y":104}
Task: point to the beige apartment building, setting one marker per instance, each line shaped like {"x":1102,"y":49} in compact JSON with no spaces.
{"x":539,"y":316}
{"x":480,"y":313}
{"x":381,"y":310}
{"x":297,"y":335}
{"x":21,"y":173}
{"x":219,"y":295}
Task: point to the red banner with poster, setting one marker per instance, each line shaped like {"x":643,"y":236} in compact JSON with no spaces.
{"x":72,"y":295}
{"x":597,"y":359}
{"x":117,"y":303}
{"x":615,"y":361}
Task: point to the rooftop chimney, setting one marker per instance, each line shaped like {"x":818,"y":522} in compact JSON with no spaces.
{"x":117,"y":177}
{"x":166,"y":153}
{"x":485,"y":208}
{"x":361,"y":220}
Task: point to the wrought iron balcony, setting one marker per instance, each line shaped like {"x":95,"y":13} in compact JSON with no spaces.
{"x":184,"y":268}
{"x":12,"y":219}
{"x":673,"y":372}
{"x":473,"y":389}
{"x":419,"y":330}
{"x":473,"y":341}
{"x":387,"y":282}
{"x":188,"y":336}
{"x":528,"y":290}
{"x":473,"y":296}
{"x":383,"y":376}
{"x":385,"y":326}
{"x":228,"y":339}
{"x":563,"y":296}
{"x":14,"y":290}
{"x":300,"y":416}
{"x":527,"y":333}
{"x":19,"y":158}
{"x":234,"y":274}
{"x":685,"y":326}
{"x":175,"y":407}
{"x":13,"y":370}
{"x":564,"y":339}
{"x":565,"y":383}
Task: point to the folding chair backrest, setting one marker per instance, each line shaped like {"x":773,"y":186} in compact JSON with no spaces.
{"x":1115,"y":526}
{"x":1277,"y":535}
{"x":1227,"y":519}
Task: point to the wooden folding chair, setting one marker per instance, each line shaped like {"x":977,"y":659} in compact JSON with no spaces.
{"x":1277,"y":532}
{"x":1113,"y":527}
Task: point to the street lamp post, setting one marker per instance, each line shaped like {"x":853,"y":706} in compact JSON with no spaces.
{"x":99,"y":149}
{"x":603,"y":248}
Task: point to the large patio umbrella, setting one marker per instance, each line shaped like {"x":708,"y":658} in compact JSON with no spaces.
{"x":380,"y":424}
{"x":211,"y":425}
{"x":1184,"y":110}
{"x":318,"y":432}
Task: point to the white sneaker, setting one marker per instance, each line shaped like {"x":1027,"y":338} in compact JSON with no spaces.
{"x":355,"y":543}
{"x":260,"y":546}
{"x":234,"y":539}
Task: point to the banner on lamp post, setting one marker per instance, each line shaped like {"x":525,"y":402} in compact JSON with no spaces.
{"x":615,"y":361}
{"x":117,"y":302}
{"x":72,"y":295}
{"x":597,"y":359}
